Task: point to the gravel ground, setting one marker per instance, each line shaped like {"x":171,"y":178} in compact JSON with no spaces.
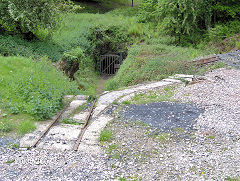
{"x":164,"y":116}
{"x":137,"y":152}
{"x":50,"y":165}
{"x":231,"y":58}
{"x":211,"y":153}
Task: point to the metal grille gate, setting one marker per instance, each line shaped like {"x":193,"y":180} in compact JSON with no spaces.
{"x":109,"y":64}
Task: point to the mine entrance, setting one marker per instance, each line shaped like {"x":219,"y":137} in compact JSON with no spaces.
{"x":109,"y":64}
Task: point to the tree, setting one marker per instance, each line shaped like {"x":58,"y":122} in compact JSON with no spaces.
{"x":33,"y":18}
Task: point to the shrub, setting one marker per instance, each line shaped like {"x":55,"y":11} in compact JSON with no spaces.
{"x":15,"y":45}
{"x":35,"y":88}
{"x":33,"y":18}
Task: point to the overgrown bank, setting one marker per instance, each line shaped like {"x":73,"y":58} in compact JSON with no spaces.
{"x":30,"y":91}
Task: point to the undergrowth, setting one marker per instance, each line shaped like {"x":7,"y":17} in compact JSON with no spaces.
{"x":34,"y":88}
{"x":152,"y":61}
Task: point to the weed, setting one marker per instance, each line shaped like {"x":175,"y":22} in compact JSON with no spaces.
{"x":105,"y":136}
{"x":70,"y":121}
{"x":10,"y":161}
{"x":238,"y":44}
{"x":115,"y":102}
{"x":111,"y":150}
{"x":212,"y":137}
{"x":207,"y":68}
{"x":126,"y":102}
{"x":16,"y":146}
{"x":232,"y":179}
{"x":163,"y":137}
{"x":6,"y":125}
{"x":26,"y":126}
{"x":179,"y":130}
{"x":154,"y":96}
{"x":79,"y":109}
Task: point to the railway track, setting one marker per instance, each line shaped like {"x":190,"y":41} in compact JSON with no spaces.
{"x":55,"y":124}
{"x":205,"y":61}
{"x":57,"y":134}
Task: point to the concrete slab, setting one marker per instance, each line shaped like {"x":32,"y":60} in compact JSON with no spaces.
{"x":80,"y":117}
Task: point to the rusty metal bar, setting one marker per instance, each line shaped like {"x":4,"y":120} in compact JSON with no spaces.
{"x":75,"y":148}
{"x":54,"y":121}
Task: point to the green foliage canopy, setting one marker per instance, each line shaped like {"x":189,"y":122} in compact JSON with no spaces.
{"x":32,"y":17}
{"x":188,"y":17}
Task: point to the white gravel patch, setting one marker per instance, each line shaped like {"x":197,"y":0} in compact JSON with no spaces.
{"x":221,"y":99}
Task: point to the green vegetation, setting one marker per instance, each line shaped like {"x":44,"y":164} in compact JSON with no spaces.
{"x":19,"y":123}
{"x":30,"y":91}
{"x":232,"y":179}
{"x":163,"y":137}
{"x":26,"y":126}
{"x":10,"y":161}
{"x":29,"y":18}
{"x":72,"y":122}
{"x":153,"y":60}
{"x":34,"y":88}
{"x":154,"y":96}
{"x":106,"y":135}
{"x":158,"y":39}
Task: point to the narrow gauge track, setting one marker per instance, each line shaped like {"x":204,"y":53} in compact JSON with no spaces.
{"x":198,"y":62}
{"x":205,"y":61}
{"x":82,"y":131}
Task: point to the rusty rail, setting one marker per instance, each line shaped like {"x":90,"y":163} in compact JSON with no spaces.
{"x":53,"y":122}
{"x":205,"y":61}
{"x":85,"y":126}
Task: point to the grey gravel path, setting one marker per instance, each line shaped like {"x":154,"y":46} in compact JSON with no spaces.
{"x":231,"y":58}
{"x":50,"y":165}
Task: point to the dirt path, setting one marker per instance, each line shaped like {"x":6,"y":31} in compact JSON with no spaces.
{"x":101,"y":83}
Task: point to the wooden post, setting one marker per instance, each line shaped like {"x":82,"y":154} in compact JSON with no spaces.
{"x":132,"y":3}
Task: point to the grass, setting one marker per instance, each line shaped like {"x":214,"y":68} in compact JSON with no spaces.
{"x":232,"y":179}
{"x":16,"y":123}
{"x":34,"y":88}
{"x":208,"y":68}
{"x":10,"y":161}
{"x":79,"y":109}
{"x":70,"y":121}
{"x":26,"y":126}
{"x":126,"y":102}
{"x":30,"y":90}
{"x":154,"y":60}
{"x":154,"y":96}
{"x":105,"y":136}
{"x":163,"y":137}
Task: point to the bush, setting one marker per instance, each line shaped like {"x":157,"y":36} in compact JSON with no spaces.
{"x":15,"y":45}
{"x":177,"y":18}
{"x":34,"y":88}
{"x":222,"y":31}
{"x":33,"y":18}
